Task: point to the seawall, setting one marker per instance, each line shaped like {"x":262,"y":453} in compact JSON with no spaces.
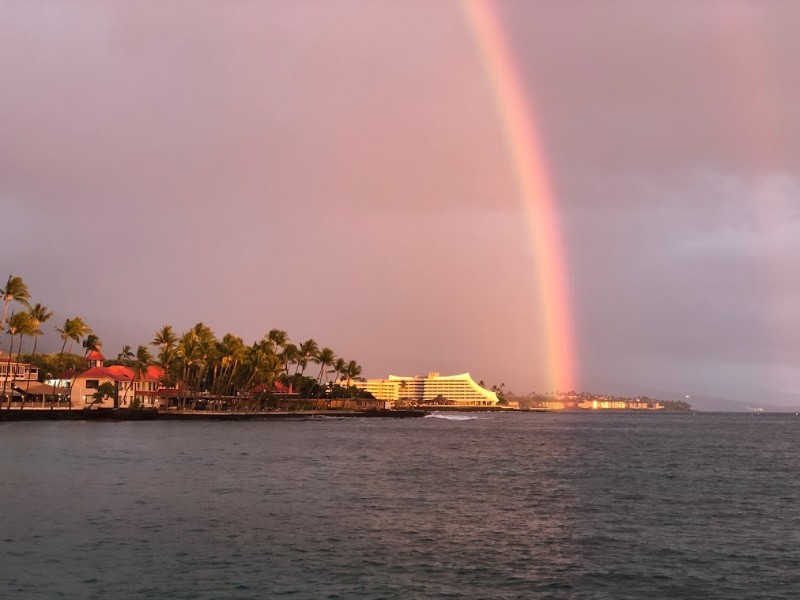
{"x":126,"y":414}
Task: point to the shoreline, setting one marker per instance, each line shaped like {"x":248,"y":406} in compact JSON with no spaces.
{"x":127,"y":414}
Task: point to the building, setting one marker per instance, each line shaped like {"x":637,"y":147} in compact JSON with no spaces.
{"x":430,"y":389}
{"x":15,"y":377}
{"x":130,"y":390}
{"x":606,"y":403}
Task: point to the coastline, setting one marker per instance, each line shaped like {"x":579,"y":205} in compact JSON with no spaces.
{"x":126,"y":414}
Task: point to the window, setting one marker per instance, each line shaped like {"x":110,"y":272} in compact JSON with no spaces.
{"x":92,"y":384}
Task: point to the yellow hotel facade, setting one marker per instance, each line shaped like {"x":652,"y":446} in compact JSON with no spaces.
{"x":454,"y":390}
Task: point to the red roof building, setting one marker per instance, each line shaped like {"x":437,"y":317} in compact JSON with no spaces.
{"x":130,"y":388}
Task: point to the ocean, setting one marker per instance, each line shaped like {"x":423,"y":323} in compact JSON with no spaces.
{"x":485,"y":505}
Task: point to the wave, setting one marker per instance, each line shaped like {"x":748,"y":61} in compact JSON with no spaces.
{"x":451,"y":417}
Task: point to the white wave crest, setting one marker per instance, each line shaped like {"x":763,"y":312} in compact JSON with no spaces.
{"x":451,"y":417}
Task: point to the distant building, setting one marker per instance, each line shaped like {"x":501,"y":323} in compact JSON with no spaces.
{"x":431,"y":389}
{"x":605,"y":403}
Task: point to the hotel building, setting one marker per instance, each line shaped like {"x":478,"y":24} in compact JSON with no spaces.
{"x":453,"y":390}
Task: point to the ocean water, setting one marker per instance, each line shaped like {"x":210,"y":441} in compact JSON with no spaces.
{"x":474,"y":506}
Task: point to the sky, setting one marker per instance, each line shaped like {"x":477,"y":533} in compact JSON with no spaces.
{"x":340,"y":170}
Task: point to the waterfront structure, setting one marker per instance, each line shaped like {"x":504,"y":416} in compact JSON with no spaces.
{"x":15,"y":377}
{"x":430,"y":389}
{"x":603,"y":403}
{"x":130,"y":389}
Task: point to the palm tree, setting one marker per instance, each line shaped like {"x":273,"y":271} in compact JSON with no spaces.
{"x":264,"y":366}
{"x":141,"y":362}
{"x":72,"y":331}
{"x":196,"y":349}
{"x":125,"y":358}
{"x":187,"y":352}
{"x":308,"y":351}
{"x":325,"y":358}
{"x":222,"y":361}
{"x":289,"y":356}
{"x":166,"y":358}
{"x":165,"y":338}
{"x":12,"y":331}
{"x":270,"y":370}
{"x":231,"y":351}
{"x":15,"y":289}
{"x":91,"y":344}
{"x":204,"y":347}
{"x":18,"y":324}
{"x":352,"y":371}
{"x":24,"y":328}
{"x":39,"y":314}
{"x":338,"y":369}
{"x":278,"y":337}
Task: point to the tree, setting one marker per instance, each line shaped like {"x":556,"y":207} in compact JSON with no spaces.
{"x":231,"y":351}
{"x":325,"y":358}
{"x":308,"y":351}
{"x":167,"y":357}
{"x":207,"y":347}
{"x":18,"y":324}
{"x":125,"y":358}
{"x":142,"y":361}
{"x":103,"y":391}
{"x":352,"y":371}
{"x":39,"y":314}
{"x":166,"y":340}
{"x":187,"y":353}
{"x":24,"y":328}
{"x":264,"y":365}
{"x":257,"y":358}
{"x":91,"y":344}
{"x":289,"y":356}
{"x":72,"y":331}
{"x":278,"y":337}
{"x":338,"y":368}
{"x":15,"y":289}
{"x":196,"y":349}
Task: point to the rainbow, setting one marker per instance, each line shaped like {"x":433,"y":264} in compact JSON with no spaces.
{"x":535,"y":191}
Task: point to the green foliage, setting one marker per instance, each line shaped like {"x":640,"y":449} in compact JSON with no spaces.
{"x":48,"y":364}
{"x":675,"y":405}
{"x":104,"y":390}
{"x":196,"y":362}
{"x":500,"y":390}
{"x":308,"y":387}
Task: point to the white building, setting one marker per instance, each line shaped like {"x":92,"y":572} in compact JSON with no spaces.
{"x":454,"y":390}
